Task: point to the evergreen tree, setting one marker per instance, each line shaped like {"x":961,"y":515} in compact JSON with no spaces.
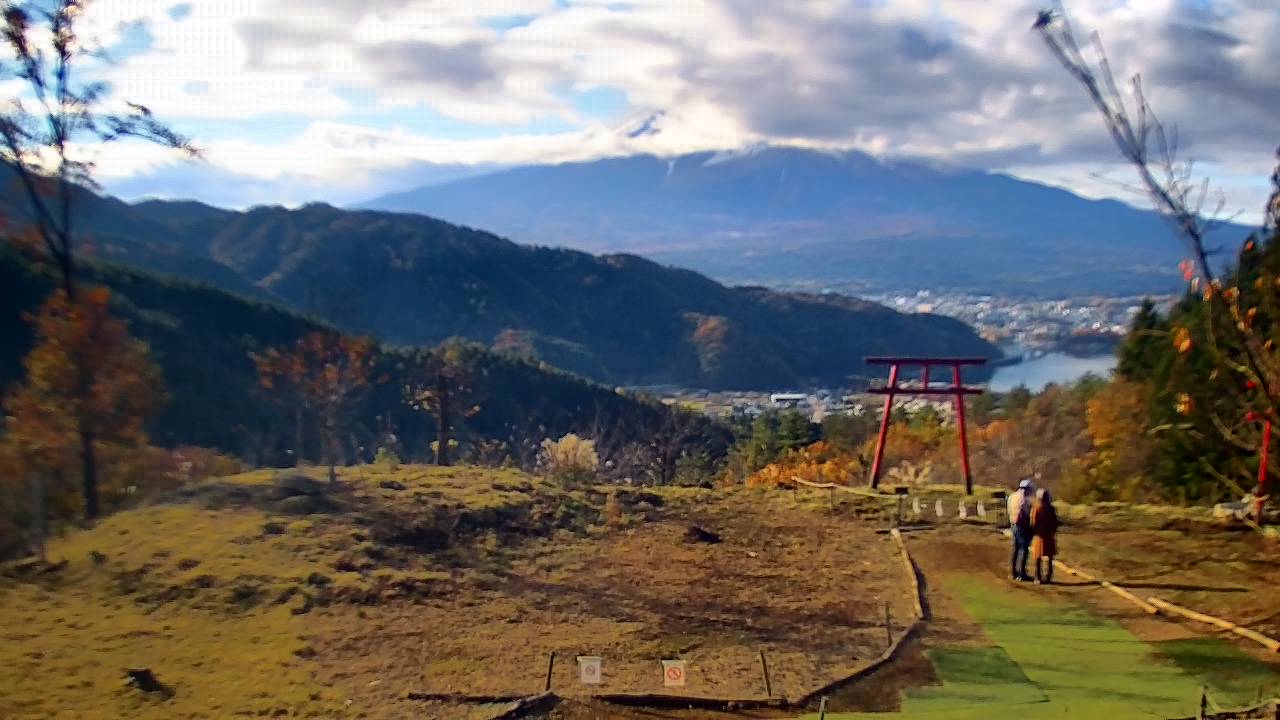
{"x":794,"y":431}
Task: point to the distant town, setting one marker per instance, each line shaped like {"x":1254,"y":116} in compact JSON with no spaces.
{"x":1076,"y":326}
{"x":1024,"y":328}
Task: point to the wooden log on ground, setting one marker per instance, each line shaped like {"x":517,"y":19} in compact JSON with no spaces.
{"x":1244,"y":632}
{"x":1078,"y":573}
{"x":524,"y":706}
{"x":842,"y":488}
{"x":1146,"y":606}
{"x":662,"y":700}
{"x":465,"y":699}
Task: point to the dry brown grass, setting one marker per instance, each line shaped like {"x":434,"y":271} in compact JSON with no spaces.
{"x":243,"y":610}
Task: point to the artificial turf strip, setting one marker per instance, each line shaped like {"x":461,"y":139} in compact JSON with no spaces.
{"x":1086,"y":665}
{"x":1235,"y":678}
{"x":975,"y":676}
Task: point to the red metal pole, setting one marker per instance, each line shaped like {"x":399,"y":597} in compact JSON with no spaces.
{"x":884,"y":426}
{"x":964,"y":440}
{"x":1262,"y":471}
{"x":925,"y":381}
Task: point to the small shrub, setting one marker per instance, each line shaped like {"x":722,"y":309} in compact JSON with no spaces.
{"x":386,"y":457}
{"x":911,"y":474}
{"x":571,"y":460}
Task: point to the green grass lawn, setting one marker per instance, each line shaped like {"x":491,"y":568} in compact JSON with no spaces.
{"x":1053,"y":658}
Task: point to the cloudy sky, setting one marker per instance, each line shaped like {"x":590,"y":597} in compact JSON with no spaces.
{"x":341,"y":100}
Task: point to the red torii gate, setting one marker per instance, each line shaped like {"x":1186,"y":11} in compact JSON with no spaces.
{"x":957,"y":389}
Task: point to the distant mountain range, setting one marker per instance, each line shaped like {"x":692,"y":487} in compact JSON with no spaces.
{"x":620,"y":319}
{"x":788,"y":216}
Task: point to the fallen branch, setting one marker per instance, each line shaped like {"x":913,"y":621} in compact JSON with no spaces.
{"x":1270,"y":643}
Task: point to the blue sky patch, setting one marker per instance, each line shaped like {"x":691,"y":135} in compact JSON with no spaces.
{"x":135,"y":39}
{"x":503,"y":23}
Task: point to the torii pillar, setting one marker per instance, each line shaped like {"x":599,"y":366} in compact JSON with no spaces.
{"x":892,"y":389}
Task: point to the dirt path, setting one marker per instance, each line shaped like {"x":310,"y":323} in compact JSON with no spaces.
{"x":809,"y":590}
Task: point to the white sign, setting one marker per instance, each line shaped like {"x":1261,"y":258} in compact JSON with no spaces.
{"x":589,"y":669}
{"x":937,"y":508}
{"x":673,"y":673}
{"x":982,"y":509}
{"x":915,"y":506}
{"x":964,"y":510}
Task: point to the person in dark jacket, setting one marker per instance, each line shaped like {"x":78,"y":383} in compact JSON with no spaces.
{"x":1044,"y":531}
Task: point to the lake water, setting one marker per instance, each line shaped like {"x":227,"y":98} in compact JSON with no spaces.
{"x":1051,"y":368}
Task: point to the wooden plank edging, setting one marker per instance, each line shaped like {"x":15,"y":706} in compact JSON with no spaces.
{"x":889,"y":655}
{"x":917,"y":596}
{"x":1146,"y":606}
{"x":1244,"y":632}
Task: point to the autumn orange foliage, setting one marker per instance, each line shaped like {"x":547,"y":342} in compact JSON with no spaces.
{"x":89,"y":386}
{"x":322,"y":373}
{"x":817,"y":463}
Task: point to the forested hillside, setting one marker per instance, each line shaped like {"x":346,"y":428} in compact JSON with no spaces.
{"x":619,"y":319}
{"x":202,"y":338}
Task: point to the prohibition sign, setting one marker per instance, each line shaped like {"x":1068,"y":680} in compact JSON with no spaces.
{"x":673,"y":673}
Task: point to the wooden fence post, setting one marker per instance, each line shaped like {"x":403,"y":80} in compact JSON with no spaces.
{"x":764,"y":670}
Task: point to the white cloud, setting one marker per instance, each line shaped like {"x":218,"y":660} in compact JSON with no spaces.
{"x":964,"y":80}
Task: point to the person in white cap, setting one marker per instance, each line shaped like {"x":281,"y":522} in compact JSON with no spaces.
{"x":1020,"y":523}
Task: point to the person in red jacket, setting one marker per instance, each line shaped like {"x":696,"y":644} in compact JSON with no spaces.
{"x":1044,"y":531}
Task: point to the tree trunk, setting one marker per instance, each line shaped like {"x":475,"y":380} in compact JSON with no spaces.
{"x":39,"y":511}
{"x":66,"y":268}
{"x":297,"y":438}
{"x":335,"y":450}
{"x":442,"y":422}
{"x":89,"y":467}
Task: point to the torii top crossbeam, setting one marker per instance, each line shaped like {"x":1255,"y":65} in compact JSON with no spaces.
{"x":957,"y":389}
